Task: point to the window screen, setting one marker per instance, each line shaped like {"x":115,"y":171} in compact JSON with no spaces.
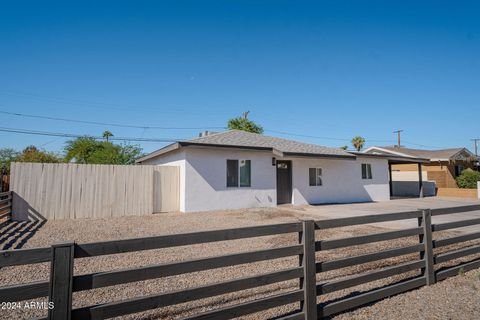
{"x":366,"y":171}
{"x":232,"y":173}
{"x":245,"y":175}
{"x":315,"y":176}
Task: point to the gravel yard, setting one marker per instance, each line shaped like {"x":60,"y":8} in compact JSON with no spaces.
{"x":451,"y":295}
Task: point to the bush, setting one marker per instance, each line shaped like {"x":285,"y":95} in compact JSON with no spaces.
{"x":468,"y":179}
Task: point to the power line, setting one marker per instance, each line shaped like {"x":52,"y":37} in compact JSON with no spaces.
{"x":92,"y":104}
{"x":70,"y":135}
{"x":105,"y":123}
{"x":321,"y":137}
{"x":179,"y":128}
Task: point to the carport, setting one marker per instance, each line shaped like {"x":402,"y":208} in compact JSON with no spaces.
{"x":415,"y":161}
{"x":394,"y":159}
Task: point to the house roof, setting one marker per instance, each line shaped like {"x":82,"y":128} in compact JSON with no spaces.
{"x":247,"y":140}
{"x":392,"y":158}
{"x":433,"y":155}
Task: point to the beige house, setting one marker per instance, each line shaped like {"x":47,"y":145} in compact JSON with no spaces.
{"x":443,"y":166}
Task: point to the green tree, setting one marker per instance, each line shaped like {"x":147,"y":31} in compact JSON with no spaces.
{"x":344,"y":147}
{"x":33,"y":154}
{"x":244,"y":124}
{"x":468,"y":179}
{"x":107,"y":134}
{"x":7,"y":155}
{"x":90,"y":151}
{"x":358,"y":143}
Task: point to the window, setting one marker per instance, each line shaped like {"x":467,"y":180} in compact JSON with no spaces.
{"x":239,"y":171}
{"x":245,"y":173}
{"x":366,"y":171}
{"x":315,"y":176}
{"x":232,"y":173}
{"x":458,"y":170}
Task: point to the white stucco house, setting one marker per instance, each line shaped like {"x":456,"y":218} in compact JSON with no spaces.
{"x":237,"y":169}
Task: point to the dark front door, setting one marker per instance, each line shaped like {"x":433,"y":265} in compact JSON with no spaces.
{"x":284,"y":182}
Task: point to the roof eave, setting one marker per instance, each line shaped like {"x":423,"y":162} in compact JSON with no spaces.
{"x":319,"y":155}
{"x":171,"y":147}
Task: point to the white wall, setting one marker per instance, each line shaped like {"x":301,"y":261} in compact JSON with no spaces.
{"x":203,"y":180}
{"x":342,"y":181}
{"x":206,"y":188}
{"x":408,"y":175}
{"x":175,"y":158}
{"x":405,"y":184}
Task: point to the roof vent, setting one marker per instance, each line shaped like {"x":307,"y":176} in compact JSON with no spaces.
{"x":203,"y":134}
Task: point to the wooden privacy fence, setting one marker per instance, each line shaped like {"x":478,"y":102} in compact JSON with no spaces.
{"x":59,"y":191}
{"x":63,"y":282}
{"x":4,"y":182}
{"x":5,"y":206}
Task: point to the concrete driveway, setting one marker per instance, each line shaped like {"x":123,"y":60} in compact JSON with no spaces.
{"x":320,"y":212}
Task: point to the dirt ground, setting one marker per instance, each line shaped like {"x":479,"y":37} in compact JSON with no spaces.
{"x":90,"y":230}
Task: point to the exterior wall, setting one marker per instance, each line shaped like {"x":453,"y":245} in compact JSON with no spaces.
{"x":203,"y":180}
{"x":408,"y":175}
{"x":342,"y":181}
{"x":443,"y":173}
{"x":458,"y":193}
{"x":206,"y":188}
{"x":176,"y":158}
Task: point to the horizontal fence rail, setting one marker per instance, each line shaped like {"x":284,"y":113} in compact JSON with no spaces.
{"x":5,"y":206}
{"x":419,"y":265}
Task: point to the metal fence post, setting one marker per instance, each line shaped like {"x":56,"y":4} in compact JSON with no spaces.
{"x":61,"y":275}
{"x":309,"y":306}
{"x":425,"y":221}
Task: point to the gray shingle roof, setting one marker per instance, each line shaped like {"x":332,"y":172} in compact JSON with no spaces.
{"x":237,"y":138}
{"x":246,"y":140}
{"x":427,"y":154}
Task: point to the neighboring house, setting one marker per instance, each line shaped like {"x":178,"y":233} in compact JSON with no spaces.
{"x":237,"y":169}
{"x":445,"y":165}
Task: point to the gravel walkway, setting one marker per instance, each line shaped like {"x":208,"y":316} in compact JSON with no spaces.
{"x":90,"y":230}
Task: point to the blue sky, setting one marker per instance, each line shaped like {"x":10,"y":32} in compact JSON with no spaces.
{"x":331,"y":69}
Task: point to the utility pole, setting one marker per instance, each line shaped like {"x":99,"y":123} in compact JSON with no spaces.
{"x":476,"y":149}
{"x":245,"y":118}
{"x":398,"y":136}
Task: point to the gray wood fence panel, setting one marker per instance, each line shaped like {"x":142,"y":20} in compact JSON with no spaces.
{"x":452,"y":240}
{"x":376,"y":237}
{"x":182,"y":239}
{"x":134,"y":305}
{"x":110,"y":278}
{"x":453,"y":271}
{"x":27,"y":291}
{"x":374,"y":295}
{"x":249,"y":307}
{"x":356,"y":280}
{"x":369,"y":257}
{"x":68,"y":191}
{"x":24,"y":256}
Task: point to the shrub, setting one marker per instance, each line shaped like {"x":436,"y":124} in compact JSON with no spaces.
{"x":468,"y":179}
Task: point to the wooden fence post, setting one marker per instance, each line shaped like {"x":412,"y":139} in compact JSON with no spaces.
{"x":61,"y":275}
{"x":309,"y":306}
{"x":425,"y":221}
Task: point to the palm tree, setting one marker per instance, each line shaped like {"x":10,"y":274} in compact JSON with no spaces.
{"x":107,"y":134}
{"x":244,"y":124}
{"x":358,"y":143}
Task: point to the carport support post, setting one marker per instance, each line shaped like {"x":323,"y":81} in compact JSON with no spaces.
{"x":308,"y":283}
{"x":425,"y":221}
{"x":61,"y":276}
{"x":420,"y":181}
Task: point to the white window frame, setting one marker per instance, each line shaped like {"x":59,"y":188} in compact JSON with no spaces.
{"x":238,"y":184}
{"x":318,"y":177}
{"x":368,"y":171}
